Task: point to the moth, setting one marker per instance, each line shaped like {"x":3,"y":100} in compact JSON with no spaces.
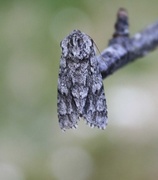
{"x":80,"y":86}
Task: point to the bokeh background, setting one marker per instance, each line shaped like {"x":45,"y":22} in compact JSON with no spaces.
{"x":32,"y":146}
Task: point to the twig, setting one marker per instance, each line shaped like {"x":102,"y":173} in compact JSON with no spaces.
{"x":122,"y":49}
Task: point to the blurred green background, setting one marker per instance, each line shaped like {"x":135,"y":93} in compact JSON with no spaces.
{"x":32,"y":146}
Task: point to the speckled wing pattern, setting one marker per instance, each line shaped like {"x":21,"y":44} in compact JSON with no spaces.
{"x":80,"y":86}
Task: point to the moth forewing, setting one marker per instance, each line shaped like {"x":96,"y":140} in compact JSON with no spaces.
{"x":80,"y":86}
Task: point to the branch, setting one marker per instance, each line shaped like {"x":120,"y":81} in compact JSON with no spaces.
{"x":122,"y":49}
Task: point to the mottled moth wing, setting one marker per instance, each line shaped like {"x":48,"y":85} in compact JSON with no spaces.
{"x":80,"y":87}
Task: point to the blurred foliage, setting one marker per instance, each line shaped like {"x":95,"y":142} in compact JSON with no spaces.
{"x":31,"y":144}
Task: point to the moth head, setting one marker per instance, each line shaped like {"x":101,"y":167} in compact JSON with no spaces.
{"x":77,"y":46}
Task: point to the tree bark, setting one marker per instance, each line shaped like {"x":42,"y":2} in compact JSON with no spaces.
{"x":122,"y":49}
